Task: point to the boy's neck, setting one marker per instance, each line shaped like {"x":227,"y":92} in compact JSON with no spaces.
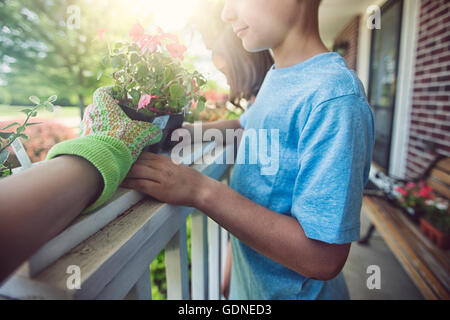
{"x":300,"y":44}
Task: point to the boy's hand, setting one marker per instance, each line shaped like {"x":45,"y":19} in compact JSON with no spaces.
{"x":158,"y":176}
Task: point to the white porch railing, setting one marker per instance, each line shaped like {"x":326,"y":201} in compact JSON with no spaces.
{"x":114,"y":246}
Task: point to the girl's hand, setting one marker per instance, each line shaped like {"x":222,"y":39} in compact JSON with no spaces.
{"x":158,"y":176}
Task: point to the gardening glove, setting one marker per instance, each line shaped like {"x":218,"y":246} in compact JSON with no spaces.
{"x":110,"y":141}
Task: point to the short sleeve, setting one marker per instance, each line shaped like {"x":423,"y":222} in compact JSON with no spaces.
{"x":334,"y":151}
{"x":243,"y":117}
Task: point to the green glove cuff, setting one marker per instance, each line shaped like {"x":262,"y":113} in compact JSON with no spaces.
{"x":109,"y":155}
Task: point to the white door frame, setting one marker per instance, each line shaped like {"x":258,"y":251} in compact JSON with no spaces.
{"x":405,"y":79}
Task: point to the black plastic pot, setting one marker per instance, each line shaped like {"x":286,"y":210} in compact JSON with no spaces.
{"x":168,"y":123}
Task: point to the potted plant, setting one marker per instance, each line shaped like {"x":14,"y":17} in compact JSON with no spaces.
{"x":435,"y":224}
{"x":411,"y":198}
{"x":151,"y":83}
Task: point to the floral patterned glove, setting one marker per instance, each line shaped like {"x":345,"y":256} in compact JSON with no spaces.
{"x":110,"y":141}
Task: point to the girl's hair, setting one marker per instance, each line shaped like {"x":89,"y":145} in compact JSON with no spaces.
{"x":245,"y":71}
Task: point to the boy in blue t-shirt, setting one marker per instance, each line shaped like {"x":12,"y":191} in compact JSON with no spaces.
{"x":293,"y":212}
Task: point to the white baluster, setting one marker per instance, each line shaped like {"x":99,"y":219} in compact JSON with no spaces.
{"x":177,"y":266}
{"x":199,"y":258}
{"x":144,"y":286}
{"x":214,"y":256}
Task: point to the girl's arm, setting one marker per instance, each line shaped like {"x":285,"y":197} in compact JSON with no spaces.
{"x":37,"y":204}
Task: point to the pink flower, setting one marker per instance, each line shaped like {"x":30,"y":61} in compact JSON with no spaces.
{"x":195,"y":85}
{"x":145,"y":101}
{"x":149,"y":42}
{"x":100,"y":33}
{"x":425,"y":191}
{"x":410,"y":185}
{"x":176,"y":50}
{"x":170,"y":36}
{"x":136,"y":32}
{"x":402,"y":191}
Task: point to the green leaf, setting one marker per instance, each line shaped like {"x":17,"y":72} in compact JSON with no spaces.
{"x":34,"y":114}
{"x":49,"y":106}
{"x":118,"y":62}
{"x":33,"y":124}
{"x":131,"y":85}
{"x":4,"y":156}
{"x":26,"y":111}
{"x":200,"y":106}
{"x":52,"y":98}
{"x":168,"y":75}
{"x":99,"y":75}
{"x":5,"y":135}
{"x":22,"y":135}
{"x":105,"y":61}
{"x":35,"y":99}
{"x":142,"y":71}
{"x":134,"y":58}
{"x":136,"y":96}
{"x":11,"y":125}
{"x":133,"y":48}
{"x":176,"y":91}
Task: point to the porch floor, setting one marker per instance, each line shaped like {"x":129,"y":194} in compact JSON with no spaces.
{"x":395,"y":282}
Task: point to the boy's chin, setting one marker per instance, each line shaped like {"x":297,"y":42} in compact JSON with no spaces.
{"x":254,"y":47}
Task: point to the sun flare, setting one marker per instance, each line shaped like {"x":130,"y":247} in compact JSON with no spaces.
{"x":171,"y":15}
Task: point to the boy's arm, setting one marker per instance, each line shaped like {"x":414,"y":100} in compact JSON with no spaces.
{"x":267,"y":231}
{"x":264,"y":230}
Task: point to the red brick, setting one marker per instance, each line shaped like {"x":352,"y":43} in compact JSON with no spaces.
{"x":443,"y":78}
{"x":441,"y":98}
{"x":444,"y":59}
{"x":439,"y":116}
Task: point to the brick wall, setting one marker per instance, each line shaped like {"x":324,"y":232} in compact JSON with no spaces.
{"x":350,"y":35}
{"x":430,"y":116}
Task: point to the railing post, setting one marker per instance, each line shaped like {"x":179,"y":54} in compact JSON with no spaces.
{"x":214,"y":263}
{"x":199,"y":256}
{"x":177,"y":266}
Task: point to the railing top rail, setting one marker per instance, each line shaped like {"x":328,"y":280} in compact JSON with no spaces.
{"x":112,"y":244}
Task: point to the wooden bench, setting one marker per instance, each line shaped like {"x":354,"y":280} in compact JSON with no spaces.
{"x":427,"y":265}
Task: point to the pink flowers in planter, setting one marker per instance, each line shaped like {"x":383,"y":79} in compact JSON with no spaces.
{"x":414,"y":195}
{"x":148,"y":42}
{"x":137,"y":32}
{"x":145,"y":100}
{"x":151,"y":42}
{"x":420,"y":190}
{"x":149,"y":75}
{"x":177,"y":50}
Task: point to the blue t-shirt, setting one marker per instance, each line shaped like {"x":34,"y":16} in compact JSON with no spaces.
{"x":305,"y":153}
